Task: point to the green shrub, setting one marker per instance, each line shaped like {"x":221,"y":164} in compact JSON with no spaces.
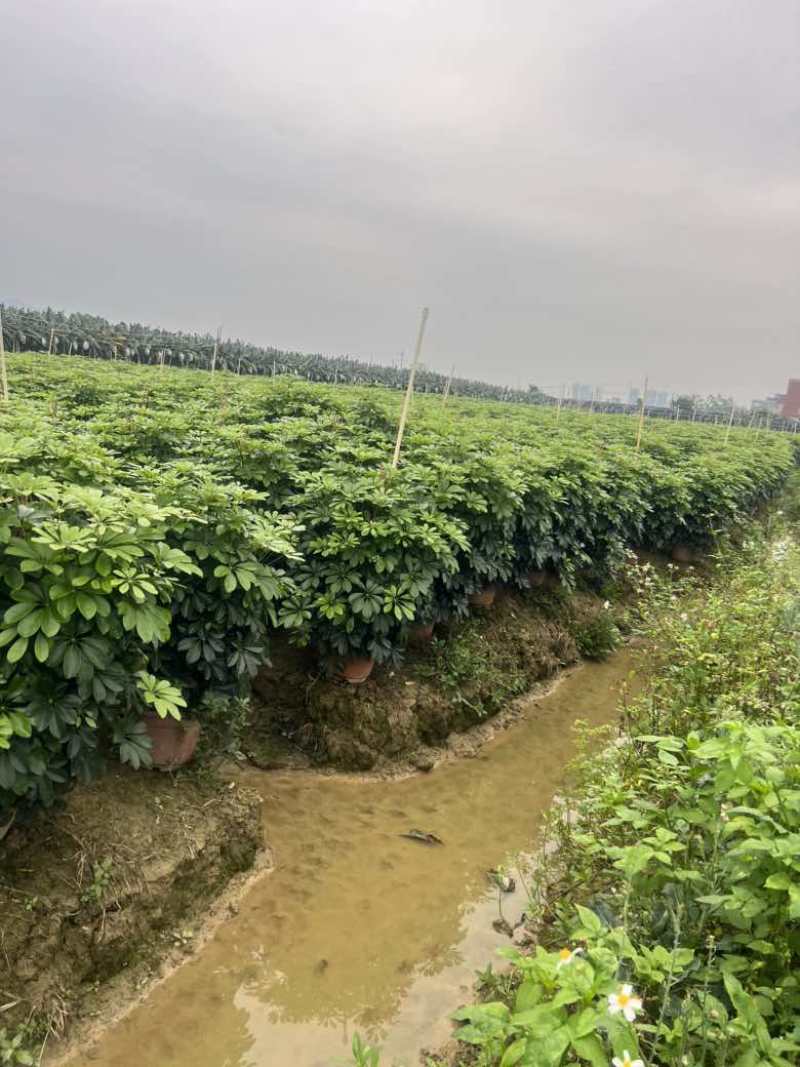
{"x":156,"y":527}
{"x":596,"y":636}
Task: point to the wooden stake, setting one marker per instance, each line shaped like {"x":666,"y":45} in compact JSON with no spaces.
{"x":560,"y":402}
{"x":4,"y":395}
{"x":50,"y":342}
{"x":448,"y":384}
{"x":641,"y":417}
{"x":409,"y":389}
{"x":730,"y":423}
{"x":216,"y":349}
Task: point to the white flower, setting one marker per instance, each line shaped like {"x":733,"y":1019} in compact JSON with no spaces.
{"x":626,"y":1061}
{"x":606,"y":604}
{"x":566,"y":956}
{"x":626,"y":1002}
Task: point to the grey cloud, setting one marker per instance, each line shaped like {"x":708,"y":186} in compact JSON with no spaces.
{"x":579,"y":190}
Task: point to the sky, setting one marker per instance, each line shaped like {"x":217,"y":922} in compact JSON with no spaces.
{"x":591,"y":190}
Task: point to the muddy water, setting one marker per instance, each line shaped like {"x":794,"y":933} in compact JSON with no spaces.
{"x":357,"y":927}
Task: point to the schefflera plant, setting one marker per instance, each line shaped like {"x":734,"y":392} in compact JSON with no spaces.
{"x":99,"y":591}
{"x":86,"y":578}
{"x":222,"y":615}
{"x":374,"y":543}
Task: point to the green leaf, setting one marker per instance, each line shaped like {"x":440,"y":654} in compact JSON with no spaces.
{"x":514,"y":1053}
{"x":17,"y":612}
{"x":591,"y":924}
{"x":41,"y":648}
{"x":779,"y":881}
{"x":71,"y":663}
{"x":28,"y":626}
{"x":591,"y":1049}
{"x":86,"y":606}
{"x":17,"y":650}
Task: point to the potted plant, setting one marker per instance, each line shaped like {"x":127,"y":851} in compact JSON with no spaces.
{"x":541,"y":579}
{"x":173,"y":739}
{"x":356,"y":669}
{"x":421,"y":633}
{"x":683,"y":553}
{"x":483,"y":598}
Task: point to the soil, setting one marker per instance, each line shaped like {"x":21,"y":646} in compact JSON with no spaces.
{"x":303,"y":714}
{"x":109,"y":884}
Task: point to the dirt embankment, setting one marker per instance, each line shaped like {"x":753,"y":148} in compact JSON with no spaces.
{"x":109,"y":885}
{"x":467,"y":673}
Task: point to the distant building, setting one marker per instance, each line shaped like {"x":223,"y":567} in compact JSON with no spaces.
{"x":790,"y":406}
{"x":770,"y":404}
{"x":582,"y":392}
{"x":656,"y":398}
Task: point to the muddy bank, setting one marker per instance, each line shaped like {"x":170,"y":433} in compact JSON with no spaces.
{"x":464,"y":676}
{"x":108,"y":886}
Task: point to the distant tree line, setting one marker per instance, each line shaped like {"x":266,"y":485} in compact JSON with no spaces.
{"x":59,"y":333}
{"x":62,"y":333}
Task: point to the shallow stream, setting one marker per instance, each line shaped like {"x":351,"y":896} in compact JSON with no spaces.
{"x":358,"y":928}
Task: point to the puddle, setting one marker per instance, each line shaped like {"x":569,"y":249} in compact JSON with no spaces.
{"x":358,"y":928}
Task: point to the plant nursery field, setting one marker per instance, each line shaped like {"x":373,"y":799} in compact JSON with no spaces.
{"x":158,"y":526}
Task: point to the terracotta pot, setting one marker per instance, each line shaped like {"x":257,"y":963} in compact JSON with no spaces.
{"x":357,"y":669}
{"x":683,"y":554}
{"x":173,"y":741}
{"x":541,"y":580}
{"x":483,"y":598}
{"x":421,"y":633}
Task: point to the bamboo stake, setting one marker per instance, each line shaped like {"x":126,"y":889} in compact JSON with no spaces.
{"x":560,"y":402}
{"x":730,"y":423}
{"x":161,"y":360}
{"x":4,"y":395}
{"x":446,"y":393}
{"x":50,"y":342}
{"x":409,"y":389}
{"x":641,"y":417}
{"x":216,"y":349}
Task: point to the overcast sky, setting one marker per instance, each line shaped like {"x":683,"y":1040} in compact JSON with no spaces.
{"x":580,"y":189}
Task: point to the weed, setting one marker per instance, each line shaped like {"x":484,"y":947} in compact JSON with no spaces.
{"x":15,"y":1050}
{"x":102,"y":872}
